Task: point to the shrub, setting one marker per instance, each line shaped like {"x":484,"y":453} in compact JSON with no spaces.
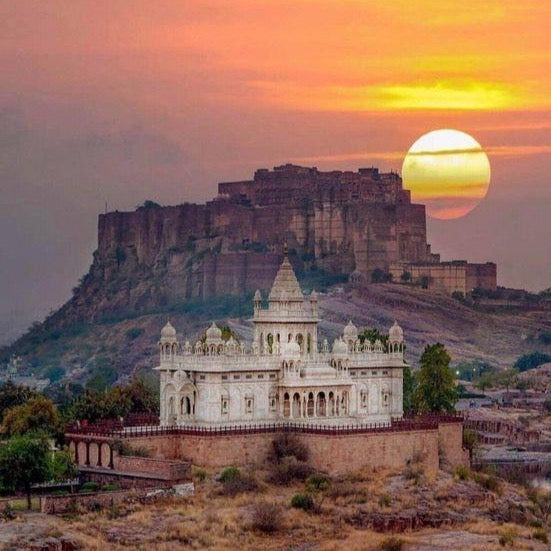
{"x":507,"y":538}
{"x":414,"y":474}
{"x":488,"y":482}
{"x":89,"y":487}
{"x":318,"y":482}
{"x":200,"y":474}
{"x":8,"y":513}
{"x":385,"y":500}
{"x":109,"y":487}
{"x":94,"y":506}
{"x":303,"y":501}
{"x":288,"y":445}
{"x":236,"y":483}
{"x":392,"y":544}
{"x":229,"y":473}
{"x":266,"y":518}
{"x":541,"y":535}
{"x":289,"y":471}
{"x":462,"y":473}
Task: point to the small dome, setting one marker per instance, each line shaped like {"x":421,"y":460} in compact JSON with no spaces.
{"x":350,"y":331}
{"x":339,"y":347}
{"x":214,"y":332}
{"x":232,"y":341}
{"x":313,"y":295}
{"x":257,"y":296}
{"x":396,"y":333}
{"x":291,"y":349}
{"x":168,"y":331}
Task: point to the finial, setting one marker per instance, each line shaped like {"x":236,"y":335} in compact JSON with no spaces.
{"x":285,"y":248}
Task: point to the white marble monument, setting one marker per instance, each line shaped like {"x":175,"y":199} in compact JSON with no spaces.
{"x":285,"y":375}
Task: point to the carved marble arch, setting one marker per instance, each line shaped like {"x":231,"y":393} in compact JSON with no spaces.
{"x":300,"y":341}
{"x":331,"y":411}
{"x":170,"y":397}
{"x":286,"y":405}
{"x":309,"y":343}
{"x":270,"y":343}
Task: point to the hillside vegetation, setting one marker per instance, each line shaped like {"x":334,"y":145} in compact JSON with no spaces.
{"x":116,"y":347}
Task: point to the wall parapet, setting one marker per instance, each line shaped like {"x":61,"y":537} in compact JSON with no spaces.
{"x":424,"y":422}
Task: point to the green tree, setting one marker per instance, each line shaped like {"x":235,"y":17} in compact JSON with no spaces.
{"x":24,"y":461}
{"x":529,"y":361}
{"x":485,"y":381}
{"x":435,"y":391}
{"x":13,"y":395}
{"x":372,"y":334}
{"x":408,"y":388}
{"x":507,"y":378}
{"x":62,"y":466}
{"x":37,"y":415}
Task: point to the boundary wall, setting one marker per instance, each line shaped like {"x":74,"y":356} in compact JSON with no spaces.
{"x":437,"y":444}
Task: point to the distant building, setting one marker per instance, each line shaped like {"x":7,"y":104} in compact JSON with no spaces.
{"x":453,"y":276}
{"x":286,"y":374}
{"x":12,"y":374}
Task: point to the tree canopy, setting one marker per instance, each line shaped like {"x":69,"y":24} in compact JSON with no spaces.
{"x":37,"y":415}
{"x":118,"y":401}
{"x":24,"y":461}
{"x":436,"y":390}
{"x":13,"y":395}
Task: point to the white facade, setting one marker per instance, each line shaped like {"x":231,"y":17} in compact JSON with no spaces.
{"x":285,"y":374}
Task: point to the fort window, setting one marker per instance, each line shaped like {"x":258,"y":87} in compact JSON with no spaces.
{"x":236,"y":377}
{"x":224,"y":377}
{"x":261,"y":376}
{"x":373,"y":373}
{"x":202,"y":377}
{"x":272,"y":376}
{"x":273,"y":402}
{"x":224,"y":405}
{"x":365,"y":373}
{"x":248,"y":376}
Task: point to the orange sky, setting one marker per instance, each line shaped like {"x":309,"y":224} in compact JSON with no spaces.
{"x":117,"y":101}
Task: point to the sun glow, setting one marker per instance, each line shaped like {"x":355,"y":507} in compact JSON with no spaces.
{"x":448,"y":171}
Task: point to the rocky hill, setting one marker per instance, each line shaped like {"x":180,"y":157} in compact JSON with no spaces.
{"x":110,"y":348}
{"x":194,"y":263}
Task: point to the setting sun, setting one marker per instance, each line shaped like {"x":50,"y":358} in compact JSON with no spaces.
{"x":448,"y":171}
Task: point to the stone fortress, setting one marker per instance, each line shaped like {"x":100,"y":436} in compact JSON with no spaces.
{"x":285,"y":374}
{"x":344,"y":224}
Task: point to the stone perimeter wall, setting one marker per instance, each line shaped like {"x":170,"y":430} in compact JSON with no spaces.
{"x":334,"y":454}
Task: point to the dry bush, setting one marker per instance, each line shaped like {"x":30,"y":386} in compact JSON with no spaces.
{"x":287,"y":445}
{"x":266,"y":517}
{"x":289,"y":470}
{"x":234,"y":482}
{"x":392,"y":544}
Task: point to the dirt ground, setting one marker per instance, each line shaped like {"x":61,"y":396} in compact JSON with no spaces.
{"x":423,"y":512}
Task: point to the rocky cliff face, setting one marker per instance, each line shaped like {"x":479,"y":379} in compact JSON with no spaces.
{"x":336,"y":223}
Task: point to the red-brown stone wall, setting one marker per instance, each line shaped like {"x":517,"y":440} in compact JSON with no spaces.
{"x":334,"y":454}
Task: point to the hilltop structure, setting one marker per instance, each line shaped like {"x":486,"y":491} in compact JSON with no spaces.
{"x":284,"y":374}
{"x":341,"y":224}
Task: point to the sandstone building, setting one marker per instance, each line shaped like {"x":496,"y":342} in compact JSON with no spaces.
{"x":340,"y":224}
{"x":285,"y":374}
